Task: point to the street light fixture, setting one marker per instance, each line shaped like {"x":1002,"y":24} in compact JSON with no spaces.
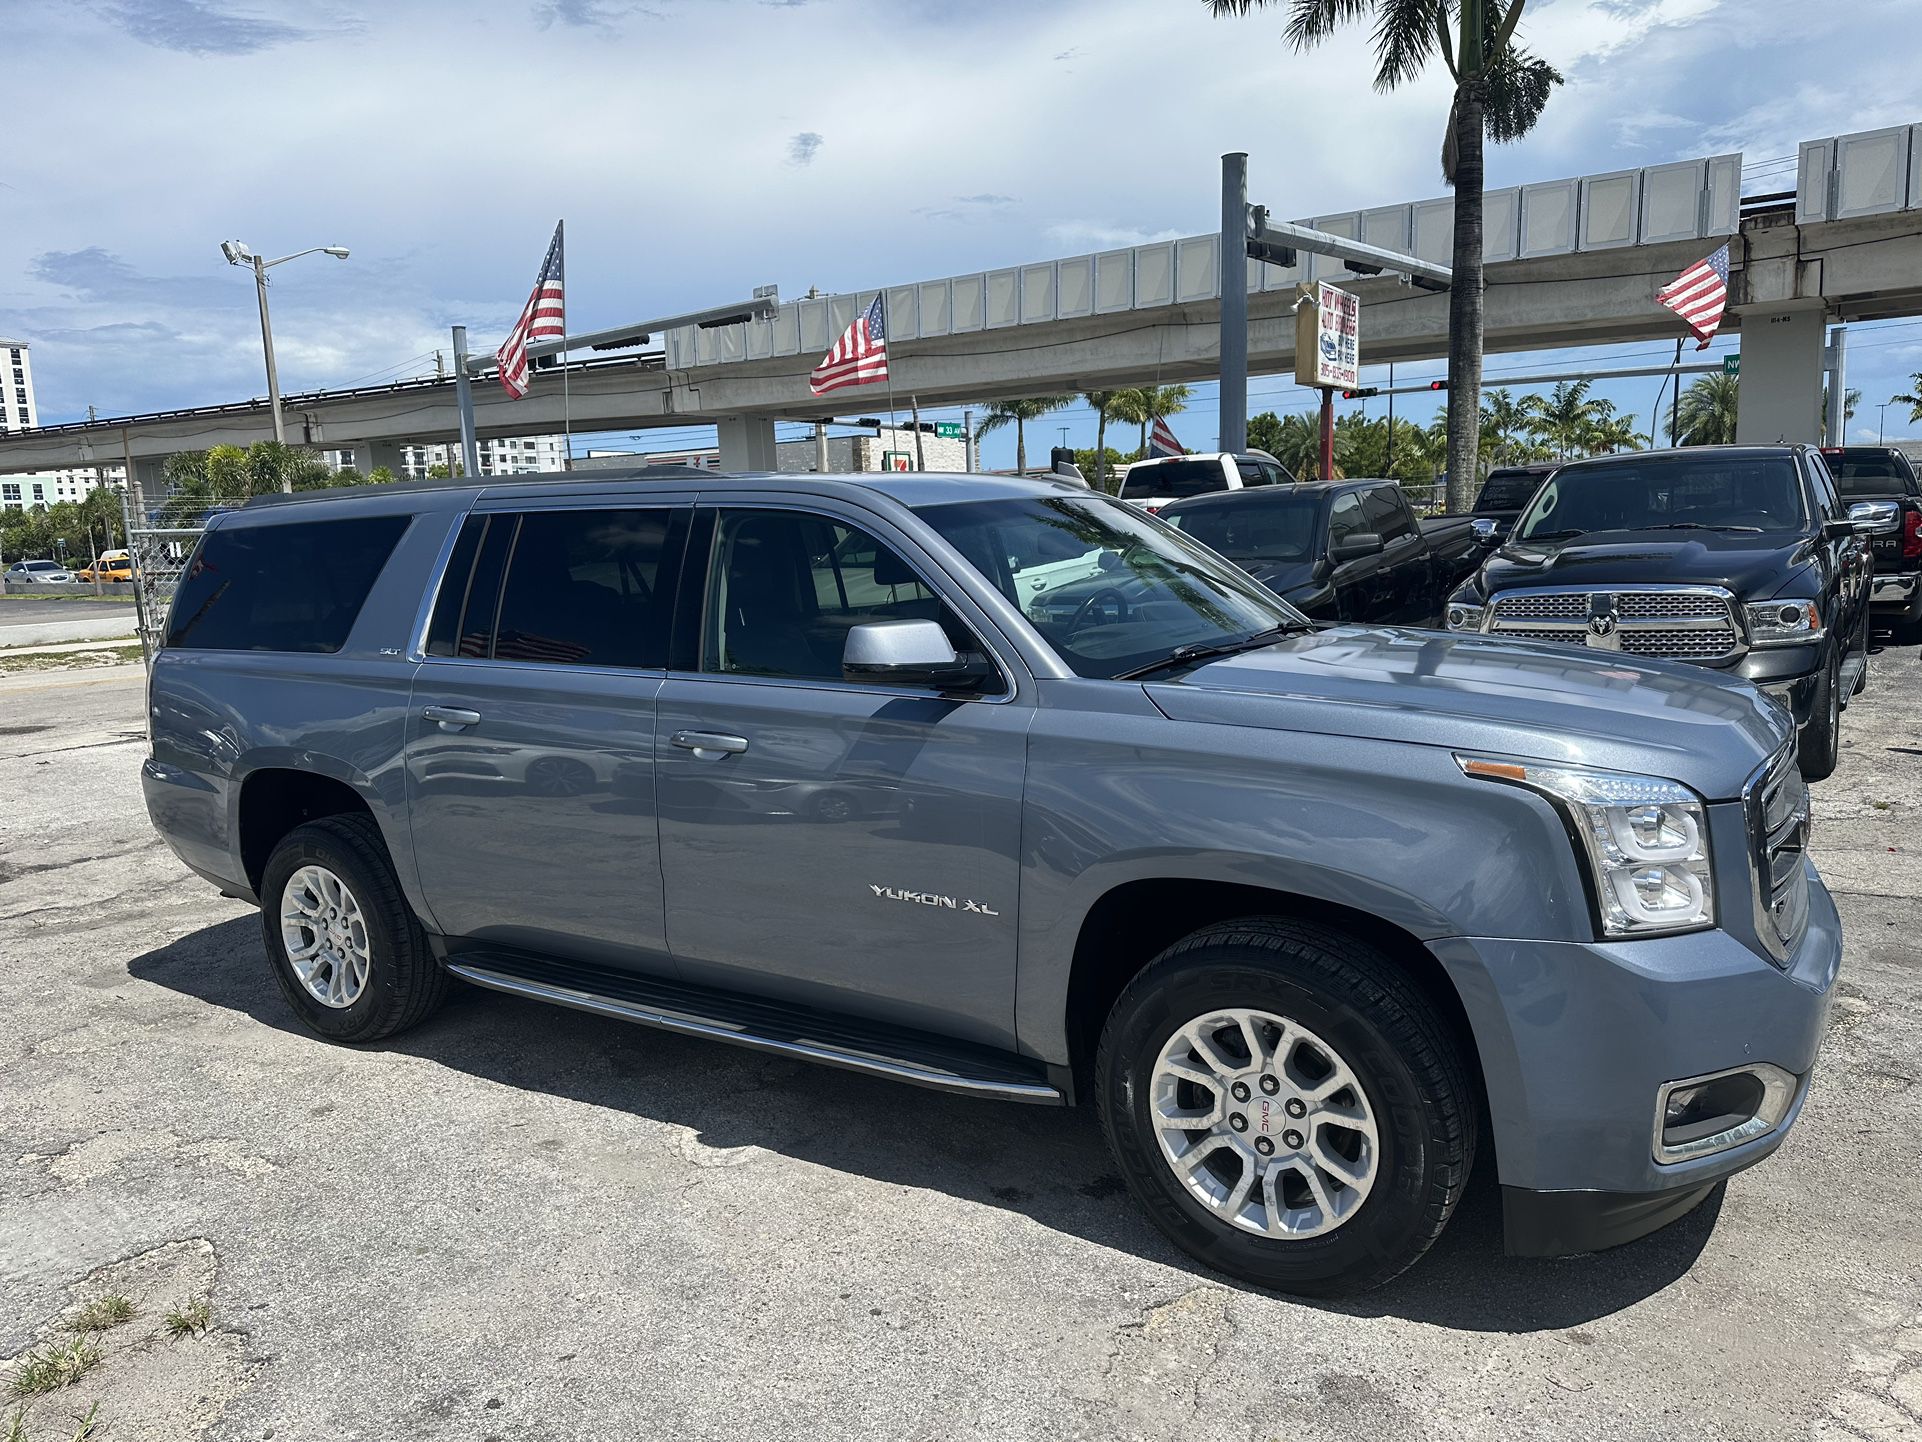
{"x":237,"y":253}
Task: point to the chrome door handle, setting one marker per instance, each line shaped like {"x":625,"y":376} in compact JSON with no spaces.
{"x":709,"y":745}
{"x":452,"y":718}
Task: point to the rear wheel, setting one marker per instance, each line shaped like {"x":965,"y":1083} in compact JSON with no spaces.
{"x":346,"y":948}
{"x":1286,"y":1106}
{"x":1820,"y":747}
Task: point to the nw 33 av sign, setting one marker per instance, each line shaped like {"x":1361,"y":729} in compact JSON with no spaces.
{"x":1328,"y":338}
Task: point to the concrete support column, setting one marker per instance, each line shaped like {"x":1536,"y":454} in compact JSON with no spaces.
{"x":1781,"y":397}
{"x":370,"y":456}
{"x":747,"y":443}
{"x":149,"y":486}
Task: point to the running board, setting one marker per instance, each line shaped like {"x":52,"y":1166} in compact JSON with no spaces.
{"x":1855,"y":676}
{"x":898,"y":1054}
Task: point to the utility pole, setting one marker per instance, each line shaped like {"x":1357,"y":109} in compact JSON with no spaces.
{"x":920,"y":450}
{"x":464,"y":396}
{"x":821,"y":448}
{"x":1836,"y":422}
{"x":967,"y":440}
{"x":1233,"y":390}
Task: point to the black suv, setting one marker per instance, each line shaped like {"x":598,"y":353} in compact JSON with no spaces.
{"x":1739,"y":557}
{"x":1882,"y":493}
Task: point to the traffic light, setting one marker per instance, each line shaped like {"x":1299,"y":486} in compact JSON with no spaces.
{"x":1438,"y":385}
{"x":1361,"y":394}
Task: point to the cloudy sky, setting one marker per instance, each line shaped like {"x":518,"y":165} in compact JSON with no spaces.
{"x":699,"y":147}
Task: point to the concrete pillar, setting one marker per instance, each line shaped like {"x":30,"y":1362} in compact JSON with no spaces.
{"x":1781,"y":397}
{"x":149,"y":486}
{"x":747,"y":443}
{"x":370,"y":456}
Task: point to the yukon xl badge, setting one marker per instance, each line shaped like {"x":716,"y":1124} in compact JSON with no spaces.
{"x":929,"y":898}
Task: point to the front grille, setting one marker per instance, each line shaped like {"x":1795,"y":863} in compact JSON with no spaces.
{"x":1683,"y":624}
{"x":1779,"y":829}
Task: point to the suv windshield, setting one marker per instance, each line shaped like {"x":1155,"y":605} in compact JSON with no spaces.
{"x":1173,"y":478}
{"x":1280,"y":528}
{"x":1109,"y":588}
{"x":1507,"y":490}
{"x":1866,"y":473}
{"x":1715,"y":491}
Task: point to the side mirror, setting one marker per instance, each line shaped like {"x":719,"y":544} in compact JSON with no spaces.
{"x":1361,"y":543}
{"x":907,"y":653}
{"x":1866,"y":518}
{"x":1487,"y":532}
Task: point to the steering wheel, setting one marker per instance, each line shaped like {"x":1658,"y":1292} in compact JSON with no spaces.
{"x":1087,"y":608}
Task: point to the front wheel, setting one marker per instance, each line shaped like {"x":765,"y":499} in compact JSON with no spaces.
{"x":1820,"y":747}
{"x":1286,"y":1106}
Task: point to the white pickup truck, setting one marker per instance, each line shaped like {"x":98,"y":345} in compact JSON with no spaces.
{"x":1158,"y":482}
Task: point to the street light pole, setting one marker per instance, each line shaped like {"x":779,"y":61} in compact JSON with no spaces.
{"x":1881,"y":422}
{"x":267,"y":344}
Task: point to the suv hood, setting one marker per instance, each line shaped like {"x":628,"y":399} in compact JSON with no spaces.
{"x":1745,"y":563}
{"x":1482,"y":693}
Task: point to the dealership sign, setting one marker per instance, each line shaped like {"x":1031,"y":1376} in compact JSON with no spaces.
{"x":1328,"y":338}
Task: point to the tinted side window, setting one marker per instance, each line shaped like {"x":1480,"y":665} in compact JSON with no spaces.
{"x":1826,"y":500}
{"x":785,"y":587}
{"x":451,"y":600}
{"x":585,"y":588}
{"x":1252,"y":474}
{"x":292,"y":587}
{"x":1346,"y":519}
{"x":1386,"y":514}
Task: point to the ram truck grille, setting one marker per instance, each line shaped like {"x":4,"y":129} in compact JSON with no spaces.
{"x":1687,"y":624}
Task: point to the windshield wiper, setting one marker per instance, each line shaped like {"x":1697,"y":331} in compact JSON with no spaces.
{"x":1205,"y":650}
{"x":1698,"y":526}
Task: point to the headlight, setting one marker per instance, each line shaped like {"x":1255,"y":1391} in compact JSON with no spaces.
{"x":1644,"y":838}
{"x":1464,"y":616}
{"x":1784,"y":622}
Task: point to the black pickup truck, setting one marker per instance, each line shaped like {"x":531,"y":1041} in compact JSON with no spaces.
{"x":1502,"y":497}
{"x":1743,"y":558}
{"x":1880,"y":488}
{"x":1349,"y":550}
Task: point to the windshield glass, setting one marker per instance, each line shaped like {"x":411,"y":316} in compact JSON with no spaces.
{"x":1713,"y":492}
{"x":1173,"y":479}
{"x":1277,"y":528}
{"x":1109,"y":588}
{"x":1507,"y":490}
{"x":1867,"y":475}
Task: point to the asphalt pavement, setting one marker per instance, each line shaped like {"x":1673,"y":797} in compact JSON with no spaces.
{"x":524,"y":1223}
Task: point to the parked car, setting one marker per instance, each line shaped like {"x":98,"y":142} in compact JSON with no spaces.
{"x":1337,"y":550}
{"x":1162,"y":480}
{"x":1311,"y":916}
{"x":1742,"y":558}
{"x":39,"y":573}
{"x":1881,"y":490}
{"x":1502,"y":497}
{"x":111,"y":566}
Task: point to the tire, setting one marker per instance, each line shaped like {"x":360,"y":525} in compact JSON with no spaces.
{"x":402,"y":982}
{"x":1351,"y":1001}
{"x":1820,"y":747}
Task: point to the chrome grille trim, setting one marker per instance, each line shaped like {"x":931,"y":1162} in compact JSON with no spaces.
{"x":1776,"y":803}
{"x":1686,"y":623}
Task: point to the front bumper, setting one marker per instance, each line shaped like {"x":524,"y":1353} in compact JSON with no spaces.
{"x":1576,"y":1040}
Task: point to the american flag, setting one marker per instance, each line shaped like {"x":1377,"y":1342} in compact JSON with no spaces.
{"x":859,"y":357}
{"x":1698,"y":294}
{"x":543,"y":318}
{"x":1162,"y":442}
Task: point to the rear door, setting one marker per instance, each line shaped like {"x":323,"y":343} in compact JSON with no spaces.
{"x":828,"y":842}
{"x":530,"y":763}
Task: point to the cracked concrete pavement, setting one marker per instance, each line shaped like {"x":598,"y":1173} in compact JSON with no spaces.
{"x":524,"y":1223}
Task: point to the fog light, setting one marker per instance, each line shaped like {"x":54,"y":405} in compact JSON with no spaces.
{"x":1708,"y":1114}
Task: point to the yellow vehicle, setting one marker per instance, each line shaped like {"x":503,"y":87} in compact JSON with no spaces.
{"x":112,"y":566}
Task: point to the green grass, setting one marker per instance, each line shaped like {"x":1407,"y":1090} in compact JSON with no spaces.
{"x":16,"y":1426}
{"x":54,"y":1365}
{"x":101,"y":1313}
{"x":70,"y":660}
{"x":188,"y":1318}
{"x":89,"y":1424}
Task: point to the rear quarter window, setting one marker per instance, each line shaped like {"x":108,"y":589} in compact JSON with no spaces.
{"x":292,"y":587}
{"x":1174,"y":479}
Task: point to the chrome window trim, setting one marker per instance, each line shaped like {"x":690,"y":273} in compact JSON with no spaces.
{"x":417,"y":647}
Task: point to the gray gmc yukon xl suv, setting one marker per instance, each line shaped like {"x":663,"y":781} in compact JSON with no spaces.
{"x":804,"y":764}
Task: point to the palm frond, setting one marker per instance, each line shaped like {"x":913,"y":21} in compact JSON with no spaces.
{"x":1519,"y":85}
{"x":1312,"y":21}
{"x":1404,"y":39}
{"x":1228,"y":9}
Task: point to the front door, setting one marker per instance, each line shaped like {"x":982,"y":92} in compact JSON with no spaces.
{"x":824,"y":842}
{"x":530,"y":760}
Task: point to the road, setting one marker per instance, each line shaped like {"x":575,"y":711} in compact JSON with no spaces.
{"x":520,"y":1222}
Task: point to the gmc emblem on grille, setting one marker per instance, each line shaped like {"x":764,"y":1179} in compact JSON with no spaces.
{"x":1603,"y":633}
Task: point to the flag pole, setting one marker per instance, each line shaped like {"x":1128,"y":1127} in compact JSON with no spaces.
{"x":894,"y":426}
{"x":567,"y":425}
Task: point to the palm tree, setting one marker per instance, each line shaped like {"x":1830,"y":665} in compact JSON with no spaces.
{"x":1500,"y":92}
{"x":1297,"y":445}
{"x":1566,"y":419}
{"x":1613,"y":433}
{"x":1912,"y":399}
{"x":1706,"y":415}
{"x":1145,"y":405}
{"x":1001,"y":413}
{"x":1102,"y":404}
{"x":1506,"y":424}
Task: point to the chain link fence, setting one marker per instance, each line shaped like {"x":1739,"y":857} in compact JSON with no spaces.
{"x":159,"y":557}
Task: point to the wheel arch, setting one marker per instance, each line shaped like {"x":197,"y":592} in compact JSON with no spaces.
{"x":277,"y":793}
